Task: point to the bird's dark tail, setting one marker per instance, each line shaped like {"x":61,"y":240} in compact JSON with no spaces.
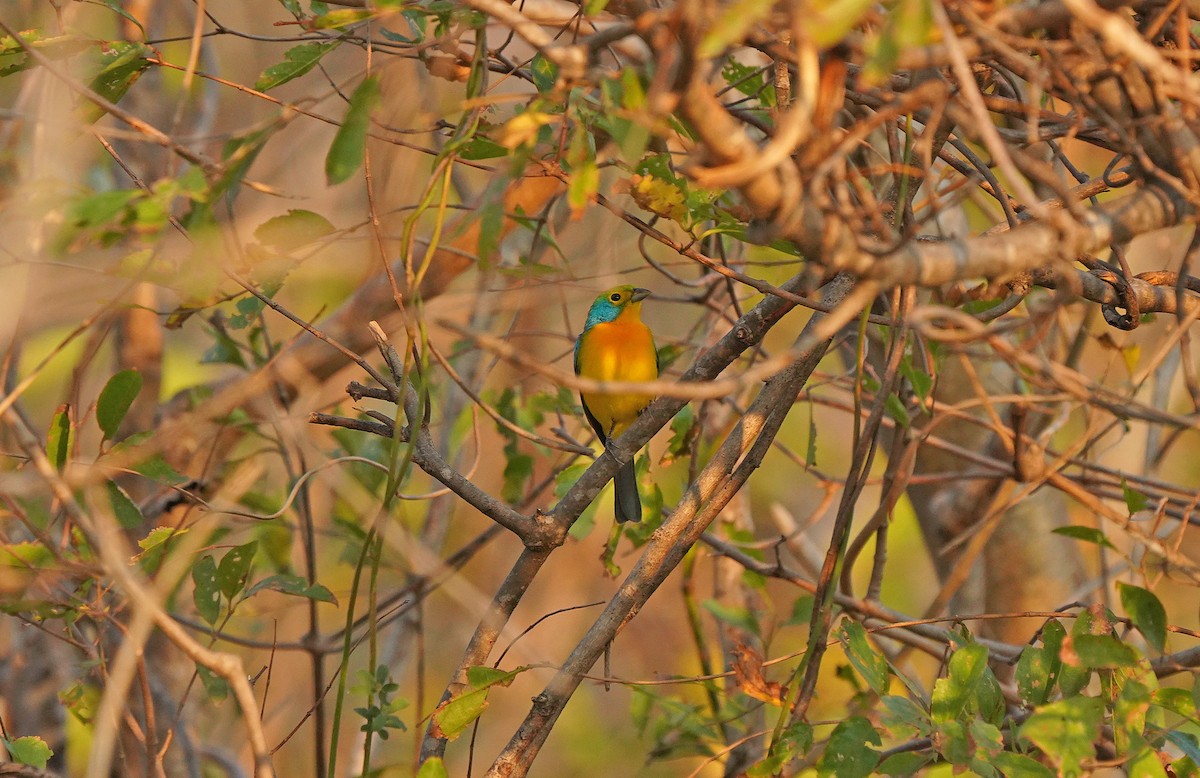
{"x":626,"y":500}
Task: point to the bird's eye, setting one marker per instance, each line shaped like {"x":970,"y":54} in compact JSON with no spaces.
{"x":616,"y":298}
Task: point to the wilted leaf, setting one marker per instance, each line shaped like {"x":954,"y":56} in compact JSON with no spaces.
{"x":748,"y":671}
{"x":523,"y":129}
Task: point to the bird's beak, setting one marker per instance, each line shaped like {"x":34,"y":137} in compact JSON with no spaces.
{"x":639,"y":294}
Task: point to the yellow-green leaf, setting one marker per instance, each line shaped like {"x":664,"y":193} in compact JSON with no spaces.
{"x":61,"y":438}
{"x":733,"y":25}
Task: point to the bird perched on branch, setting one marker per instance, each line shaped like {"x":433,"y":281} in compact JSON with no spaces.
{"x":616,"y":346}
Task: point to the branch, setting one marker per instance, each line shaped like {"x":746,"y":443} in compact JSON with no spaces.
{"x":106,"y":538}
{"x":738,"y":456}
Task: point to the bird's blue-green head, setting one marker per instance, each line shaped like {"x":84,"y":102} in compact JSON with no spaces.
{"x":609,"y":305}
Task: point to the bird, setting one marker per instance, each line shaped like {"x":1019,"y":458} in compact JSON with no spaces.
{"x":616,"y":346}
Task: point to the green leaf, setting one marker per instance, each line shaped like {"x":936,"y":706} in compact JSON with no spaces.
{"x":985,"y":743}
{"x":116,"y":398}
{"x":793,"y":742}
{"x":350,"y":144}
{"x":517,"y":472}
{"x":903,"y":717}
{"x":1033,"y":676}
{"x":1021,"y":766}
{"x":216,"y":687}
{"x":1088,"y":534}
{"x":156,"y":469}
{"x":60,"y":440}
{"x":733,"y":25}
{"x":989,"y":699}
{"x":895,"y":408}
{"x":24,"y":555}
{"x":129,"y":516}
{"x":1072,"y":678}
{"x":1145,"y":764}
{"x":102,"y":207}
{"x":868,"y":661}
{"x":454,"y":716}
{"x":433,"y":767}
{"x":121,"y":64}
{"x":1098,"y":652}
{"x":238,"y":155}
{"x":1134,"y":500}
{"x":952,"y":693}
{"x":154,"y":547}
{"x":31,"y":751}
{"x":583,"y":184}
{"x":1176,"y":700}
{"x":1065,"y":730}
{"x":234,"y":569}
{"x":802,"y":608}
{"x":297,"y":61}
{"x":742,"y":618}
{"x":205,"y":593}
{"x":905,"y":763}
{"x":847,"y":754}
{"x":1129,"y":717}
{"x":293,"y":229}
{"x":287,"y":583}
{"x":481,"y":677}
{"x":1146,"y":612}
{"x":544,"y":73}
{"x":921,"y":382}
{"x":480,"y":147}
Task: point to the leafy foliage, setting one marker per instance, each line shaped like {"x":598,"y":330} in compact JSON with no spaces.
{"x":212,"y":218}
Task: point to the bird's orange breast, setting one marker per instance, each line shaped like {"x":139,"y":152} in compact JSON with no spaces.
{"x":620,"y":350}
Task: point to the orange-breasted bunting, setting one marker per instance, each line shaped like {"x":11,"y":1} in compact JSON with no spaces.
{"x":616,"y":346}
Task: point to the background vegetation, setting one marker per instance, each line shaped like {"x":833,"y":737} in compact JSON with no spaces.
{"x":294,"y":478}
